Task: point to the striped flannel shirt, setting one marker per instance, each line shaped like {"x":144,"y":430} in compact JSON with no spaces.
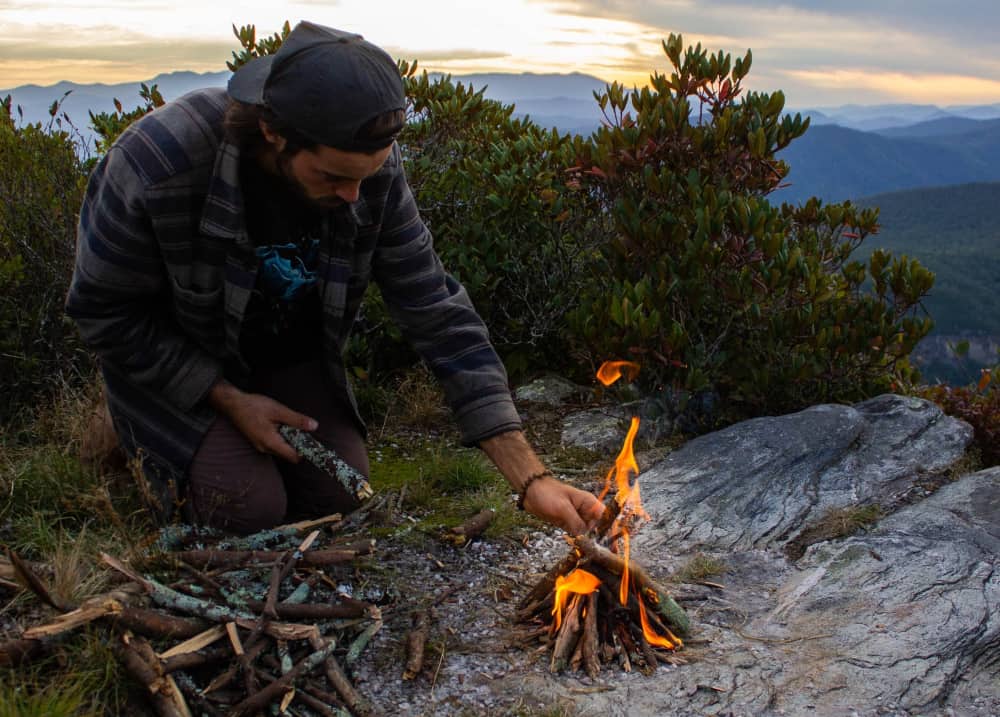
{"x":165,"y":268}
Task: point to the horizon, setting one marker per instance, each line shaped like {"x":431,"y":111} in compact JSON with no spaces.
{"x":816,"y":107}
{"x":895,"y":53}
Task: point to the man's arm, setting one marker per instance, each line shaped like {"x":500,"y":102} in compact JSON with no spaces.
{"x":548,"y":498}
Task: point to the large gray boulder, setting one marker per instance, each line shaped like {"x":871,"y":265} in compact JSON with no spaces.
{"x":757,"y":484}
{"x":902,"y":619}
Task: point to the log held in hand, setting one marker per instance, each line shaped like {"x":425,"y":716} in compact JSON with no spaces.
{"x":327,"y":460}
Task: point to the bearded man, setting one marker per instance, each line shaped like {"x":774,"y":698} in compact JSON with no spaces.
{"x":224,"y":246}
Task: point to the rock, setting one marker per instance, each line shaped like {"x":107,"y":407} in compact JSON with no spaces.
{"x":901,"y":619}
{"x":757,"y":484}
{"x":551,"y":390}
{"x":601,"y":430}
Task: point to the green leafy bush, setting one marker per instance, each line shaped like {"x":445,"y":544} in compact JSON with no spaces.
{"x":109,"y":125}
{"x":492,"y":190}
{"x":42,"y":179}
{"x":710,"y":286}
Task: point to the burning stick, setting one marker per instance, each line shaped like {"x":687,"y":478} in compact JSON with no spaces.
{"x":327,"y":460}
{"x":668,"y":609}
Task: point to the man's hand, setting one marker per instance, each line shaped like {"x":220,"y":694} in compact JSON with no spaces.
{"x":575,"y":511}
{"x":257,"y":417}
{"x":548,"y":498}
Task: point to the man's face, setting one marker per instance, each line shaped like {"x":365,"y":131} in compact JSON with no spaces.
{"x":323,"y":176}
{"x":328,"y":177}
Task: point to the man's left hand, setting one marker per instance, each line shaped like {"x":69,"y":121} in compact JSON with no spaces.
{"x":572,"y":509}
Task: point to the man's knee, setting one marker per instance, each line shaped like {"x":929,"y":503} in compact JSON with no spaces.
{"x":246,"y":511}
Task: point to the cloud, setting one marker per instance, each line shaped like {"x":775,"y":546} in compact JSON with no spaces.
{"x":901,"y":87}
{"x":807,"y":40}
{"x":427,"y":55}
{"x":189,"y":53}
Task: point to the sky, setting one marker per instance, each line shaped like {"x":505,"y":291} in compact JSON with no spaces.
{"x":820,"y":53}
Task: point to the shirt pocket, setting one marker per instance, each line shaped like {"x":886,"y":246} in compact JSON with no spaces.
{"x":200,"y":313}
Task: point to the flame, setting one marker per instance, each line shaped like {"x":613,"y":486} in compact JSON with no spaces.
{"x":623,"y":586}
{"x":670,"y":642}
{"x":578,"y":582}
{"x":611,"y":371}
{"x":627,"y":496}
{"x":625,"y":467}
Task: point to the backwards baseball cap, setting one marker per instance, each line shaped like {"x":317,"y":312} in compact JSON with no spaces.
{"x":324,"y":83}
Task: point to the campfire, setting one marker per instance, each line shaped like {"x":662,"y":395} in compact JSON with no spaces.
{"x":598,"y":606}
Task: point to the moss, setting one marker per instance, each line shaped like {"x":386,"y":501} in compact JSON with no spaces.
{"x":700,"y":567}
{"x":836,"y":523}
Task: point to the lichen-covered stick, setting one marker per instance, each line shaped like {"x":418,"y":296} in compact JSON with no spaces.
{"x":327,"y":460}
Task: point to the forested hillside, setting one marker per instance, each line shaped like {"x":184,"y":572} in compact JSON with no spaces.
{"x":953,"y":231}
{"x":835,"y":163}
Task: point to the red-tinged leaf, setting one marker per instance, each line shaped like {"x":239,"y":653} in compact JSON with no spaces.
{"x":984,"y":379}
{"x":851,"y":235}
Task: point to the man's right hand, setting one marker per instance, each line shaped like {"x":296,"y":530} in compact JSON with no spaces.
{"x":257,"y":417}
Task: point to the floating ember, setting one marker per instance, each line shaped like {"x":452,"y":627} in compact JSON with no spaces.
{"x":597,"y":605}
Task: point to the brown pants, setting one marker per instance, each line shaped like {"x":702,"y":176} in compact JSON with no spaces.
{"x":234,"y":487}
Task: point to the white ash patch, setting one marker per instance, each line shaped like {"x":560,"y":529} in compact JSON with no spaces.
{"x":473,"y":659}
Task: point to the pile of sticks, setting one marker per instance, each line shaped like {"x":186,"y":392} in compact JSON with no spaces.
{"x":596,"y":628}
{"x":245,"y":626}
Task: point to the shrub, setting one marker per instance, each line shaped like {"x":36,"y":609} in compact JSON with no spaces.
{"x":714,"y":289}
{"x":978,"y":405}
{"x":492,"y":190}
{"x":42,"y":179}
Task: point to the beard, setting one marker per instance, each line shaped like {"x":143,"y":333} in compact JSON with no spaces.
{"x":284,"y":164}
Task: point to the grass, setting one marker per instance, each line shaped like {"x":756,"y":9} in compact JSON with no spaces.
{"x":834,"y":524}
{"x":81,"y":679}
{"x":699,"y":568}
{"x":444,"y":486}
{"x":61,"y":514}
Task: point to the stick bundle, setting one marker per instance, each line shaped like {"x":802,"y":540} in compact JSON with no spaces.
{"x":589,"y":625}
{"x":262,"y":631}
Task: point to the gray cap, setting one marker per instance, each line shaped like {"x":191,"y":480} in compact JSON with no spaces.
{"x":325,"y":83}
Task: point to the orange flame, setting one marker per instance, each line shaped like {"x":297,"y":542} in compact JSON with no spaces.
{"x":625,"y":467}
{"x":630,"y":511}
{"x":611,"y":371}
{"x":670,"y":642}
{"x":578,"y":582}
{"x":623,"y":586}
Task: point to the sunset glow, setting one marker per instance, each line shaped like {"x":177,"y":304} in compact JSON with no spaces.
{"x":815,"y":56}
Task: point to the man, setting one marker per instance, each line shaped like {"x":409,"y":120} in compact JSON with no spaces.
{"x":224,"y":246}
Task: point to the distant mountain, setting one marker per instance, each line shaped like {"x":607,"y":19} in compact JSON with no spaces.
{"x":873,"y":118}
{"x":551,"y":100}
{"x":835,"y":163}
{"x":561,"y":100}
{"x":952,"y":231}
{"x":940,"y":127}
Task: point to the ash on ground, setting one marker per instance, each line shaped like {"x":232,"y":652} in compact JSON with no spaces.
{"x":474,"y":653}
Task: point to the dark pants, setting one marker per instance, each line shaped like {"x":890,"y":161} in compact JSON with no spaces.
{"x":234,"y":487}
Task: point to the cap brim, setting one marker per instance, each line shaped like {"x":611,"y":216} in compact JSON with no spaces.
{"x":247,"y":83}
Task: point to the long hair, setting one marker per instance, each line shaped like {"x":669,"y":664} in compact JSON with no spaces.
{"x":242,"y":128}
